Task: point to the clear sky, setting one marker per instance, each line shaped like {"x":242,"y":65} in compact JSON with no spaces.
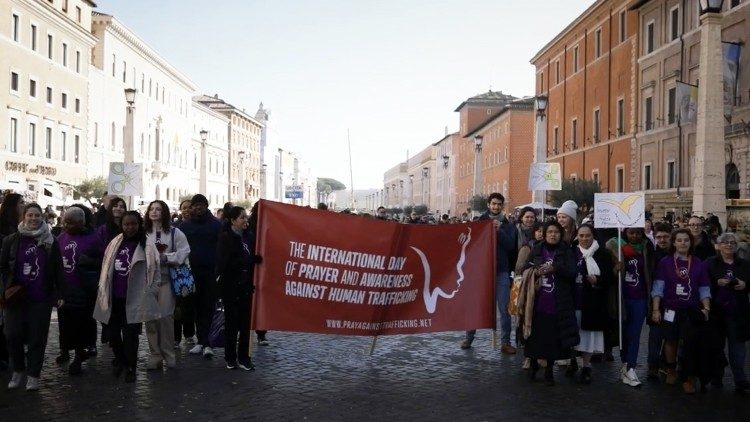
{"x":390,"y":71}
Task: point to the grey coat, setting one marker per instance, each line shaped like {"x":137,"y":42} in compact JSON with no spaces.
{"x":144,"y":283}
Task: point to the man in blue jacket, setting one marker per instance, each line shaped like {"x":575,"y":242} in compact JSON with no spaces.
{"x":202,"y":232}
{"x":505,"y":253}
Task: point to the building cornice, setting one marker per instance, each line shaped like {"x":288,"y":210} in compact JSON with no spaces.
{"x":586,"y":13}
{"x":525,"y":104}
{"x":62,"y":23}
{"x":127,"y":36}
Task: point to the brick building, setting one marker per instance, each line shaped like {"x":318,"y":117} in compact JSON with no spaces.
{"x":588,"y":73}
{"x":473,"y":113}
{"x":507,"y":151}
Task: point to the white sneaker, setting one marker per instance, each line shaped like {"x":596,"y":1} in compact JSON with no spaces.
{"x":196,"y":350}
{"x":630,"y":378}
{"x":15,"y":380}
{"x":32,"y":384}
{"x":208,"y":352}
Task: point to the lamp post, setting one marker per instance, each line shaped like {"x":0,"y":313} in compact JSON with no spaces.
{"x":709,"y":189}
{"x":263,"y":181}
{"x":401,"y":195}
{"x":540,"y":140}
{"x":129,"y":138}
{"x":411,"y":190}
{"x":426,"y":187}
{"x":241,"y":155}
{"x":445,"y":185}
{"x":204,"y":157}
{"x":477,"y":163}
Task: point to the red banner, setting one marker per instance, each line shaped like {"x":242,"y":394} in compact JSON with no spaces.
{"x":325,"y":272}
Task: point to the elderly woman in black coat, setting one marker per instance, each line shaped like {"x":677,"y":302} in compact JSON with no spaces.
{"x":554,"y":330}
{"x":593,"y":277}
{"x":729,"y":276}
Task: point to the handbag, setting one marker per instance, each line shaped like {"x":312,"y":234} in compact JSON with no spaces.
{"x":515,"y":292}
{"x":183,"y":282}
{"x":216,"y":335}
{"x":13,"y":295}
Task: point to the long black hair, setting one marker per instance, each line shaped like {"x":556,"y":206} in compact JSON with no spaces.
{"x":9,"y":217}
{"x":166,"y":217}
{"x":141,"y":235}
{"x":252,"y":220}
{"x":113,"y":229}
{"x":231,"y":214}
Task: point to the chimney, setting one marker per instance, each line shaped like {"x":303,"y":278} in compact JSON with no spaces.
{"x":446,"y":131}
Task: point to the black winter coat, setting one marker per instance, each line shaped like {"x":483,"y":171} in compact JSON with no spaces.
{"x":564,"y":265}
{"x":53,"y":274}
{"x":742,"y":272}
{"x":234,"y":268}
{"x":594,"y":314}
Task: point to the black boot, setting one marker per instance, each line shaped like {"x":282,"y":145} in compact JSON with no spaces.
{"x":572,"y":368}
{"x":549,"y":377}
{"x":533,"y":369}
{"x":585,"y":377}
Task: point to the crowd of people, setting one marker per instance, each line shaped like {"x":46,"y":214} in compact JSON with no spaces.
{"x":116,"y":267}
{"x":579,"y":291}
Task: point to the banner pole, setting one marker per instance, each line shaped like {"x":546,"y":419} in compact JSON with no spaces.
{"x":619,"y":284}
{"x":372,"y":345}
{"x":251,"y":344}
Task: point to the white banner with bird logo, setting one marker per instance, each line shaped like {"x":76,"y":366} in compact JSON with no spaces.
{"x":125,"y":179}
{"x":621,"y":210}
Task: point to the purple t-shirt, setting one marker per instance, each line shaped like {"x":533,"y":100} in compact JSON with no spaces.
{"x":104,"y":238}
{"x":545,"y":296}
{"x":725,"y":297}
{"x":680,"y":285}
{"x":72,"y":247}
{"x":634,"y":281}
{"x":123,"y":262}
{"x":31,"y":261}
{"x":581,"y":275}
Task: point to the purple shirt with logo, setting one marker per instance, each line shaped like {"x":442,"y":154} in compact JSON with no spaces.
{"x":725,"y":296}
{"x":545,"y":296}
{"x":680,"y":287}
{"x":633,"y":281}
{"x":123,"y":263}
{"x":581,"y":275}
{"x":31,"y":261}
{"x":72,"y":247}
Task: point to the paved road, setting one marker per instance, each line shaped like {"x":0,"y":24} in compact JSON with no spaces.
{"x":329,"y":378}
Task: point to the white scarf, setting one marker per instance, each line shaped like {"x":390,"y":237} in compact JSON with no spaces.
{"x":588,"y":255}
{"x":42,"y":235}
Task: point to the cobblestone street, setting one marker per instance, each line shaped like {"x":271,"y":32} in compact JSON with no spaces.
{"x":315,"y":377}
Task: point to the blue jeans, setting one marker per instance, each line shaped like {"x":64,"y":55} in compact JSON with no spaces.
{"x":502,"y":299}
{"x":631,"y":330}
{"x":655,"y":339}
{"x":736,"y":351}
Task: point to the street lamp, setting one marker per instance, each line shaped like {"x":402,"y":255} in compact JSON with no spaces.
{"x":445,"y":182}
{"x":477,"y":163}
{"x":129,"y":135}
{"x":540,"y":140}
{"x":204,"y":157}
{"x":411,"y":189}
{"x":263,"y":187}
{"x":709,"y":6}
{"x":709,"y":188}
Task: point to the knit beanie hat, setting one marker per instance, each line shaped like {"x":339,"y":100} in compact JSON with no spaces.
{"x":569,"y":208}
{"x":199,"y":199}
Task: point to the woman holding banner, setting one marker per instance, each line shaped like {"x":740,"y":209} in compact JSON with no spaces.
{"x":681,"y":303}
{"x":235,"y":262}
{"x":554,"y":330}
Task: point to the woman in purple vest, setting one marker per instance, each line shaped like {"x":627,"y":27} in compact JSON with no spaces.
{"x":681,"y":298}
{"x":29,"y":258}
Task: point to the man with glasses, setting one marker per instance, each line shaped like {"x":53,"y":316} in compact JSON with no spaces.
{"x":505,"y":254}
{"x":381,"y":213}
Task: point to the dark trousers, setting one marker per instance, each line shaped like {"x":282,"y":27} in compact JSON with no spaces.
{"x":77,"y":329}
{"x":3,"y":345}
{"x":204,"y":301}
{"x":184,"y":318}
{"x":237,"y":324}
{"x":123,"y":337}
{"x":28,"y":324}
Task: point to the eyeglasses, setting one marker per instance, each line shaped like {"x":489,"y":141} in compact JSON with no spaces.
{"x":729,"y":242}
{"x":695,"y":225}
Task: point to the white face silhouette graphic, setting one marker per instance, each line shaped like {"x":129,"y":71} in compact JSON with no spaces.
{"x":548,"y":284}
